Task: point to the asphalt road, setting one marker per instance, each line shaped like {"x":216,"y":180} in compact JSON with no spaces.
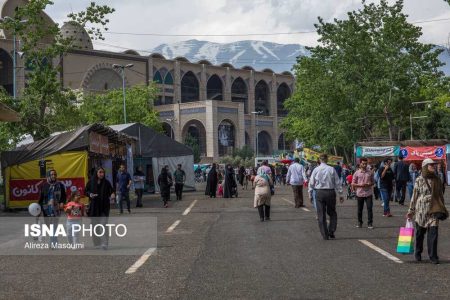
{"x":220,"y":250}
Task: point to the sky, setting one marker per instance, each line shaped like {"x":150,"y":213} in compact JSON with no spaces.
{"x":231,"y":17}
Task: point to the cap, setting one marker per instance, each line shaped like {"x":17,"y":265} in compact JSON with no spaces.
{"x":427,"y":161}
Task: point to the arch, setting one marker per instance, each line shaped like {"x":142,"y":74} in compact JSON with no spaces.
{"x":181,"y":58}
{"x":204,"y":62}
{"x":157,"y":55}
{"x":283,"y":93}
{"x":227,"y":65}
{"x":131,"y":52}
{"x":239,"y":92}
{"x":6,"y":71}
{"x":196,"y":129}
{"x":168,"y":79}
{"x":168,"y":130}
{"x":214,"y":88}
{"x":264,"y":143}
{"x":267,"y":70}
{"x":189,"y":88}
{"x":100,"y":76}
{"x":248,"y":68}
{"x":283,"y":143}
{"x":247,"y":139}
{"x":262,"y":97}
{"x":287,"y":73}
{"x":157,"y":77}
{"x":226,"y":137}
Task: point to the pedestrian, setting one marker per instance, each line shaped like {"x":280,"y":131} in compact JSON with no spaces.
{"x":241,"y":176}
{"x":52,"y":198}
{"x":295,"y":177}
{"x":253,"y":176}
{"x":164,"y":183}
{"x":426,"y":206}
{"x":338,"y":169}
{"x":123,"y":187}
{"x":139,"y":183}
{"x":362,"y":183}
{"x":211,"y":182}
{"x":376,"y":191}
{"x":386,"y":175}
{"x":263,"y":195}
{"x":326,"y":182}
{"x":74,"y":210}
{"x":180,"y":178}
{"x":401,"y":172}
{"x":100,"y":193}
{"x":284,"y":171}
{"x":229,"y":184}
{"x":265,"y":167}
{"x":413,"y":174}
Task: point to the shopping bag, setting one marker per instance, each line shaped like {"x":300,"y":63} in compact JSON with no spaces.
{"x":405,"y":243}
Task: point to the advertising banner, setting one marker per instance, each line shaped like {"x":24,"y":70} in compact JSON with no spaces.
{"x":98,"y":143}
{"x":312,"y":155}
{"x":24,"y":181}
{"x":420,"y":153}
{"x":386,"y":151}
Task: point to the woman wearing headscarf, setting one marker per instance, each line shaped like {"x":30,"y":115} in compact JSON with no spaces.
{"x":427,"y":208}
{"x":263,"y":194}
{"x":211,"y":182}
{"x":100,"y":192}
{"x":241,"y":176}
{"x":164,"y":186}
{"x":229,"y":183}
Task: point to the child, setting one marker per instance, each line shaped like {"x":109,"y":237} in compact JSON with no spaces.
{"x":220,"y":190}
{"x":75,"y":211}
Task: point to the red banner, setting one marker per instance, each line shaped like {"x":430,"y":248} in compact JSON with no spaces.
{"x":29,"y":189}
{"x":420,"y":153}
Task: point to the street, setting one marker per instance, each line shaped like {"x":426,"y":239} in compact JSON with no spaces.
{"x":218,"y":249}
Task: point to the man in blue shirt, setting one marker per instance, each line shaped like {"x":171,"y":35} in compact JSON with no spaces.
{"x":123,"y":186}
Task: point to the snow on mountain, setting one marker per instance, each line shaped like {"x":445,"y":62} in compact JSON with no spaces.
{"x":257,"y":54}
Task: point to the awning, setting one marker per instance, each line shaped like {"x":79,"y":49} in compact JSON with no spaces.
{"x":7,"y":114}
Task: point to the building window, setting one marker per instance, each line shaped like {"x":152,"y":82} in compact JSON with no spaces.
{"x":168,"y":79}
{"x":157,"y":77}
{"x":239,"y":93}
{"x":189,"y":88}
{"x":214,"y":89}
{"x":262,"y":98}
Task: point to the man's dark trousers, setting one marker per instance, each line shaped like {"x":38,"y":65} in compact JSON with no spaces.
{"x":400,"y":186}
{"x":179,"y":190}
{"x":326,"y":204}
{"x":369,"y":203}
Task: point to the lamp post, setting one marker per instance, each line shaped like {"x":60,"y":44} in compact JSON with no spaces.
{"x":256,"y":113}
{"x":122,"y":70}
{"x":9,"y":19}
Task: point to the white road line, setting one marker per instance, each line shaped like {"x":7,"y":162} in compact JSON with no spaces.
{"x":381,"y":251}
{"x":188,"y":210}
{"x":140,"y":261}
{"x":305,"y":209}
{"x":172,"y":227}
{"x":289,"y":201}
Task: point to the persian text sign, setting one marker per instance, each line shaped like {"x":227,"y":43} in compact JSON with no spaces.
{"x":420,"y":153}
{"x":98,"y":143}
{"x":29,"y":189}
{"x":377,"y":151}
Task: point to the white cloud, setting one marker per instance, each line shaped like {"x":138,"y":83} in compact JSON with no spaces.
{"x":238,"y":17}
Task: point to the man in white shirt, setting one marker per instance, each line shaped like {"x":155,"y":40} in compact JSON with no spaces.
{"x":325,"y":181}
{"x":295,"y":177}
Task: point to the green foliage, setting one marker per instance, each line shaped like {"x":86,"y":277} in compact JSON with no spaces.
{"x":193,"y":143}
{"x":241,"y":157}
{"x":245,"y":152}
{"x":108,"y":108}
{"x":360,"y":81}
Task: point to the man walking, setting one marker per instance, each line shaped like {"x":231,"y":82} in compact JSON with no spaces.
{"x":180,"y":178}
{"x":363,"y":184}
{"x":123,"y":186}
{"x":338,"y":169}
{"x":401,"y":172}
{"x":325,"y":181}
{"x":295,"y":177}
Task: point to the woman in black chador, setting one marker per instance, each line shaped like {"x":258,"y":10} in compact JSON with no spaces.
{"x":211,"y":182}
{"x":230,"y":182}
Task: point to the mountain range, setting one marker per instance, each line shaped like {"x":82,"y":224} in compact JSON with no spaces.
{"x":258,"y":54}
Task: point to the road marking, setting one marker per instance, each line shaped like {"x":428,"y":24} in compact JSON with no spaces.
{"x":305,"y":209}
{"x":188,"y":210}
{"x":381,"y":251}
{"x":289,"y":201}
{"x":172,"y":227}
{"x":140,"y":261}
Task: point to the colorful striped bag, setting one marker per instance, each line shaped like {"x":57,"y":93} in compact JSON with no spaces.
{"x":406,"y":239}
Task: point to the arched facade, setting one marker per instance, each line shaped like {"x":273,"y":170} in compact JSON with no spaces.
{"x":197,"y":131}
{"x":190,"y":89}
{"x":214,"y":88}
{"x":101,"y":78}
{"x":265,"y":146}
{"x":6,"y":71}
{"x":239,"y":93}
{"x":283,"y":143}
{"x":226,"y":137}
{"x":262,"y":98}
{"x":283,"y":93}
{"x":168,"y":130}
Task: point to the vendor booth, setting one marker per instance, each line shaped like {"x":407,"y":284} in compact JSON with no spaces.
{"x":155,"y":150}
{"x":74,"y":155}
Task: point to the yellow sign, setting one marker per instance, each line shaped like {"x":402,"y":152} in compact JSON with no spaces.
{"x":312,"y":155}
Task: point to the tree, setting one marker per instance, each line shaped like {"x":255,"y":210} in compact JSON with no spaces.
{"x":108,"y":108}
{"x":44,"y":107}
{"x":245,"y":152}
{"x":360,"y":81}
{"x":192,"y":143}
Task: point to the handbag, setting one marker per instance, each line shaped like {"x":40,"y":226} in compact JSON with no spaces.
{"x":405,"y":244}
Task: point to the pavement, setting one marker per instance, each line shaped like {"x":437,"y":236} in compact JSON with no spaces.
{"x":218,"y":249}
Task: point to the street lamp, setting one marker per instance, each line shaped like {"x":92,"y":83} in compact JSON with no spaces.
{"x":122,"y":70}
{"x":9,"y":19}
{"x":256,"y":113}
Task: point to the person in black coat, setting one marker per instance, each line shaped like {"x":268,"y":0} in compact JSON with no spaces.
{"x":100,"y":192}
{"x":164,"y":182}
{"x":241,"y":175}
{"x":229,"y":183}
{"x":401,"y":173}
{"x":211,"y":182}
